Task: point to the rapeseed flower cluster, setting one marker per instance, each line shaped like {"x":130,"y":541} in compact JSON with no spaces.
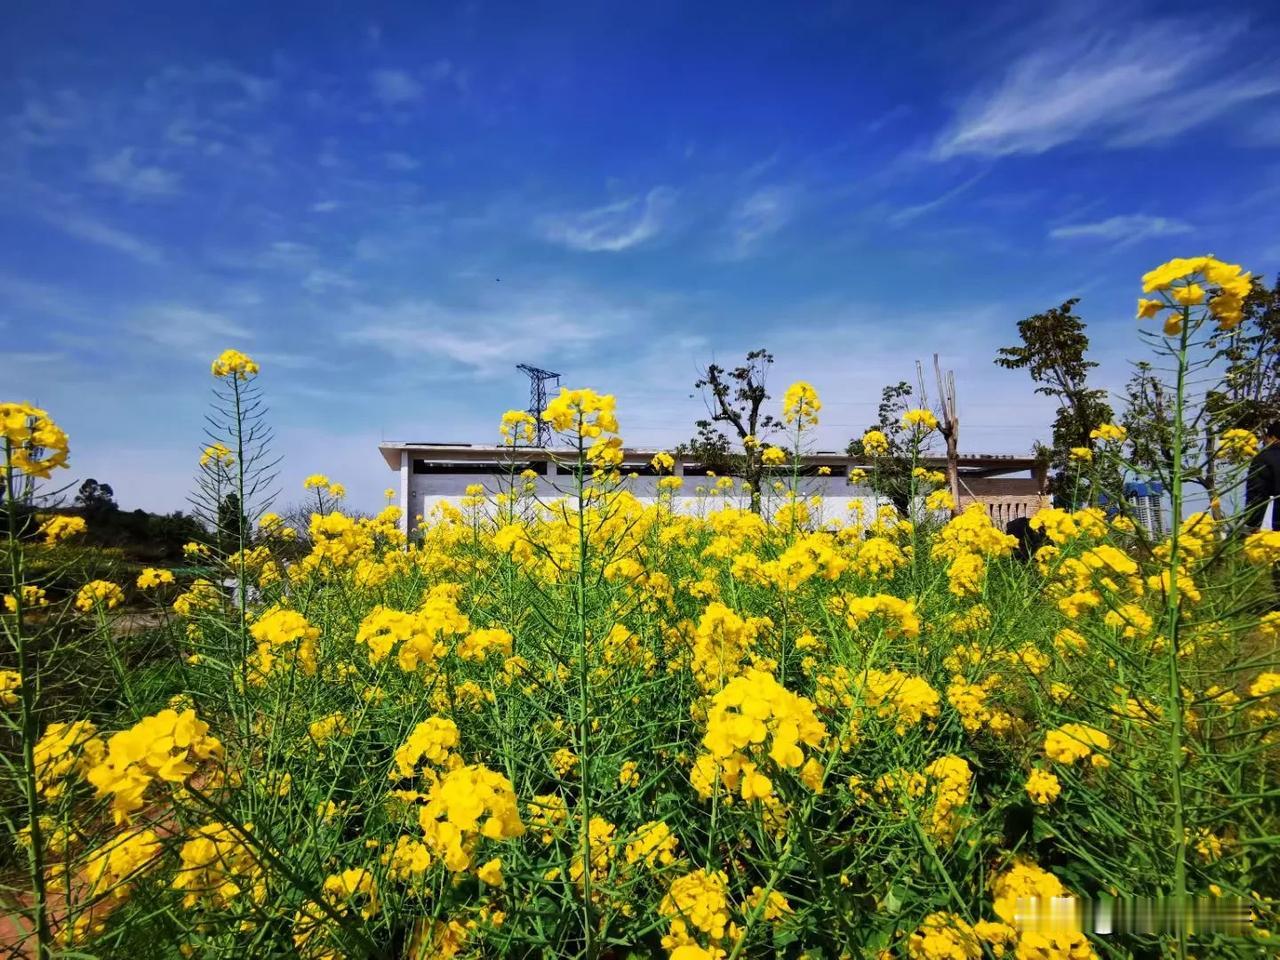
{"x":234,"y":364}
{"x":800,"y":405}
{"x":1181,"y":284}
{"x":36,"y":446}
{"x":217,"y":456}
{"x":755,"y":717}
{"x":518,"y":426}
{"x":59,"y":528}
{"x":166,"y":747}
{"x":284,"y":640}
{"x":875,"y":443}
{"x":99,"y":595}
{"x":466,"y":805}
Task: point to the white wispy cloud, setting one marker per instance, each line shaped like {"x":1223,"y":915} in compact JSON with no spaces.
{"x":188,"y":329}
{"x":86,"y":228}
{"x":231,"y":88}
{"x":487,"y":337}
{"x":757,"y":217}
{"x":321,"y":280}
{"x":907,"y":214}
{"x":39,"y":297}
{"x":1126,"y":228}
{"x":122,"y":171}
{"x":47,"y":119}
{"x":400,"y":162}
{"x":142,"y":135}
{"x":395,"y":87}
{"x":1118,"y":86}
{"x":615,"y":226}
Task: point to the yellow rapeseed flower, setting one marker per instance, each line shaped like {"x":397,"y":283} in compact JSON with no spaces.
{"x":919,"y":419}
{"x":37,"y":446}
{"x":875,"y":443}
{"x":99,"y":594}
{"x":154,"y":577}
{"x":233,"y":363}
{"x":59,"y":528}
{"x":800,"y":405}
{"x":1109,"y":433}
{"x":1042,"y":786}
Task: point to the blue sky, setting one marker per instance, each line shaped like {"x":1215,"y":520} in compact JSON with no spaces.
{"x":391,"y":206}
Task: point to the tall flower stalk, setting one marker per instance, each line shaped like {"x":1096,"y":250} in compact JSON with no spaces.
{"x":1191,"y":294}
{"x":235,"y":483}
{"x":34,"y":446}
{"x":588,"y":420}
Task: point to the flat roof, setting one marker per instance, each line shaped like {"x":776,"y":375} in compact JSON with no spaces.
{"x":987,"y":464}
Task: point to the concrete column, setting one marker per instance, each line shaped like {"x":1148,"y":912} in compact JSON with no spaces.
{"x":1041,"y":474}
{"x":406,"y":508}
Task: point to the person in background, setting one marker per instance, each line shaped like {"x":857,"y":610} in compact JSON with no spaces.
{"x":1262,"y":491}
{"x":1029,"y":539}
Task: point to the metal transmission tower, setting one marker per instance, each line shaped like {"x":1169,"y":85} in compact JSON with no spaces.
{"x":538,"y":399}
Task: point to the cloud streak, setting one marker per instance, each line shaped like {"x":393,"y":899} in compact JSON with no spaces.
{"x":487,"y":337}
{"x":1127,"y":228}
{"x":188,"y":329}
{"x":613,"y":227}
{"x":139,"y":181}
{"x":906,"y":215}
{"x":86,"y":228}
{"x":395,"y":87}
{"x":756,"y":218}
{"x":1123,"y":88}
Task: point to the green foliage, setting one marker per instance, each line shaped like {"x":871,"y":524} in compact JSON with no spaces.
{"x":1248,"y":396}
{"x":94,"y":498}
{"x":1054,"y":351}
{"x":892,"y":475}
{"x":1235,"y":385}
{"x":231,"y":522}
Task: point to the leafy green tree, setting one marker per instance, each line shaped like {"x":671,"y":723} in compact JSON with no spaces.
{"x":1054,"y":351}
{"x":95,"y":498}
{"x":734,"y":400}
{"x":1242,"y":367}
{"x":231,"y":520}
{"x":892,"y":475}
{"x":1249,"y":394}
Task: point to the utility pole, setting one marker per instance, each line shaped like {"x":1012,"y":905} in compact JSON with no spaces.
{"x":950,"y":428}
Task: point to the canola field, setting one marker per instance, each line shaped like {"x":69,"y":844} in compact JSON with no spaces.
{"x":594,"y":727}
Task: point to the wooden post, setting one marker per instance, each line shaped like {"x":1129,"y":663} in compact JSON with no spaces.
{"x":950,"y":430}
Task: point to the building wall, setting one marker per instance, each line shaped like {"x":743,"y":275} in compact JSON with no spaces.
{"x":1002,"y":509}
{"x":427,"y":490}
{"x":1005,"y":497}
{"x":550,"y":487}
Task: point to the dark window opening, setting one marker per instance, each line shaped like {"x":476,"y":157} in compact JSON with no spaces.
{"x":477,"y":467}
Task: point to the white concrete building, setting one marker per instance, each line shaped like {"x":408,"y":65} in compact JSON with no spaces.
{"x":435,"y":472}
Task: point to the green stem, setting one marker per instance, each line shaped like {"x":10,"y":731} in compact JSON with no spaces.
{"x":1172,"y":629}
{"x":240,"y":531}
{"x":117,"y":663}
{"x":584,"y":700}
{"x":27,"y":672}
{"x":242,"y":621}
